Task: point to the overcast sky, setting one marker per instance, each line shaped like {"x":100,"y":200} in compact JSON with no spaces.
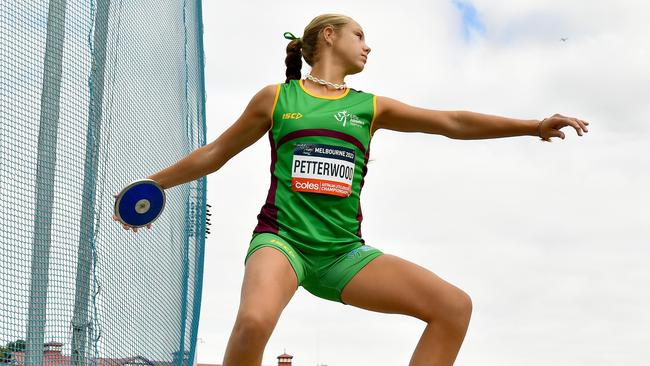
{"x":549,"y":239}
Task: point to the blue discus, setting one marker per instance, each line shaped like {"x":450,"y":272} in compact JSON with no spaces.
{"x":140,"y":203}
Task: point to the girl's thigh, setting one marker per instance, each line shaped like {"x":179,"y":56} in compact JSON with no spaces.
{"x":268,"y":285}
{"x":390,"y":284}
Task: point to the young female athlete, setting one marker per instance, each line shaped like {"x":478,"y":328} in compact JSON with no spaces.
{"x":309,"y":230}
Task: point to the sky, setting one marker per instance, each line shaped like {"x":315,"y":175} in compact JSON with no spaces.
{"x":548,"y":239}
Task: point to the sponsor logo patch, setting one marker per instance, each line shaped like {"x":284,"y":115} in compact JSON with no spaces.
{"x":295,"y":115}
{"x":357,"y":252}
{"x":345,"y":116}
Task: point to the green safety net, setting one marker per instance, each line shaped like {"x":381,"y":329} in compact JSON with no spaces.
{"x":95,"y":94}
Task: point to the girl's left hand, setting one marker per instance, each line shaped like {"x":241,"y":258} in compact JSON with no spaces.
{"x":550,"y":127}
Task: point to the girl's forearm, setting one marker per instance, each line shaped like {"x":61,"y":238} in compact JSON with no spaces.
{"x":195,"y":165}
{"x":472,"y":125}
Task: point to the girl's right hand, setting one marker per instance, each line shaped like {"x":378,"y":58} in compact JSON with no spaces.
{"x":127,"y":227}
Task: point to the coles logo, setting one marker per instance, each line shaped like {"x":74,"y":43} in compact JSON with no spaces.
{"x":306,"y":185}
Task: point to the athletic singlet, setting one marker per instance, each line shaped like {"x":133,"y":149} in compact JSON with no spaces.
{"x":319,"y":152}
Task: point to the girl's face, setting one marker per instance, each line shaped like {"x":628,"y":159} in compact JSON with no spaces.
{"x":350,"y":45}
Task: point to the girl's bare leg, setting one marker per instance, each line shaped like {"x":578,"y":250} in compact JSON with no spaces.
{"x":390,"y":284}
{"x":268,"y":285}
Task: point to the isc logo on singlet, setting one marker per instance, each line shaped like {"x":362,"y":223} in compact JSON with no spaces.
{"x":296,"y":115}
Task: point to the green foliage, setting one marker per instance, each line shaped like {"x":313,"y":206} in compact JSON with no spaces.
{"x":6,"y":351}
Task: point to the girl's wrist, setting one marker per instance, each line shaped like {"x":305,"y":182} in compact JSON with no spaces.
{"x":539,"y":131}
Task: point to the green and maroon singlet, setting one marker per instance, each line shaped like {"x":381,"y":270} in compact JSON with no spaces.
{"x":319,"y":152}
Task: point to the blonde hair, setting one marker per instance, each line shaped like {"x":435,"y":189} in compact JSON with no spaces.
{"x":307,"y":46}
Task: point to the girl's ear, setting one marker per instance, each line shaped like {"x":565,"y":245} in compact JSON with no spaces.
{"x":328,"y":34}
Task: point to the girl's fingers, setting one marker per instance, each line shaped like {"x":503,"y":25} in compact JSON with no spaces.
{"x":583,"y":126}
{"x":125,"y":226}
{"x":571,"y":122}
{"x":578,"y":130}
{"x":567,"y":121}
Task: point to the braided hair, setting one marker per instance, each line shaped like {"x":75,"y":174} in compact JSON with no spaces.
{"x":307,"y":46}
{"x":294,"y":59}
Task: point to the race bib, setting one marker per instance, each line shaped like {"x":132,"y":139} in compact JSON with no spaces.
{"x":320,"y":168}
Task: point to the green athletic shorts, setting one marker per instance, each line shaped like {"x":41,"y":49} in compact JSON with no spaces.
{"x":323,"y":275}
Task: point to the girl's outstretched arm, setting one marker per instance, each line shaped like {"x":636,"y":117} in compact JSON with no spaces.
{"x":465,"y":125}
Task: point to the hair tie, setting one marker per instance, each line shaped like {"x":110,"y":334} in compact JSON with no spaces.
{"x":291,"y":36}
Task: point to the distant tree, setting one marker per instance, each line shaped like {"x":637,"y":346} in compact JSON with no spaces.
{"x":6,"y":351}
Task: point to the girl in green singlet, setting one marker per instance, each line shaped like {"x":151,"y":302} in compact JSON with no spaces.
{"x":308,"y":231}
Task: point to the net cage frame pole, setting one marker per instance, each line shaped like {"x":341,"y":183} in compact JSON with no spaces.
{"x":200,"y":186}
{"x":81,"y":326}
{"x":45,"y":170}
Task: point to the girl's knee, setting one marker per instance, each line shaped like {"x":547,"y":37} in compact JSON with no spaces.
{"x":457,"y":312}
{"x":465,"y":306}
{"x":253,"y":326}
{"x":461,"y":310}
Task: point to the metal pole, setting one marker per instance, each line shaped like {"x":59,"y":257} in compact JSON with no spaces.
{"x":45,"y":170}
{"x":81,"y":325}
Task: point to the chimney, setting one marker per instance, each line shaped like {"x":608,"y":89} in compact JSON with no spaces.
{"x":284,"y":359}
{"x":52,"y":348}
